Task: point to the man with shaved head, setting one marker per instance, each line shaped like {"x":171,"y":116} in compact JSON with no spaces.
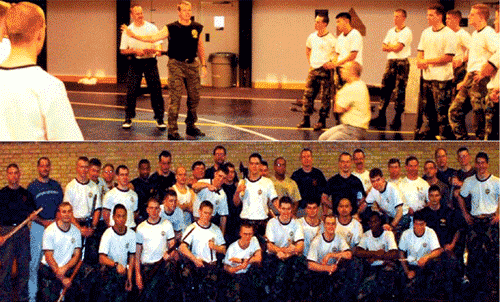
{"x":4,"y":43}
{"x":34,"y":105}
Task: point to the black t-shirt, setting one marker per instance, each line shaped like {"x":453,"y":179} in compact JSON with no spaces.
{"x":15,"y":205}
{"x":183,"y":40}
{"x":311,"y":185}
{"x":339,"y":187}
{"x":445,"y":222}
{"x":161,"y":184}
{"x":445,"y":176}
{"x":144,"y":190}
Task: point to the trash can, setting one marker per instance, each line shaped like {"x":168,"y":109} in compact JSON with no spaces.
{"x":223,"y":69}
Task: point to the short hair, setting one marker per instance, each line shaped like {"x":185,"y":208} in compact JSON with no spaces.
{"x":264,"y":163}
{"x":12,"y":165}
{"x":255,"y":155}
{"x":120,"y":167}
{"x":439,"y":149}
{"x":109,"y":165}
{"x":312,"y":201}
{"x":438,"y":8}
{"x":358,"y":151}
{"x":410,"y":158}
{"x":376,"y":172}
{"x":246,"y":224}
{"x":229,"y":165}
{"x":95,"y":162}
{"x":4,"y":7}
{"x":183,"y":3}
{"x":434,"y":188}
{"x":170,"y":192}
{"x":23,"y":21}
{"x":43,"y":158}
{"x":344,"y":15}
{"x":83,"y":158}
{"x":222,"y":168}
{"x":482,"y":155}
{"x":376,"y":213}
{"x":330,"y":216}
{"x":219,"y":147}
{"x":345,"y":154}
{"x":196,"y":164}
{"x":134,"y":5}
{"x":64,"y":204}
{"x":324,"y":16}
{"x":419,"y":215}
{"x":394,"y":161}
{"x":483,"y":10}
{"x":143,"y":162}
{"x":305,"y":150}
{"x":153,"y":199}
{"x":356,"y":67}
{"x":278,"y":158}
{"x":285,"y":199}
{"x":350,"y":202}
{"x":164,"y":153}
{"x":119,"y":207}
{"x":402,"y":11}
{"x":461,"y":149}
{"x":206,"y":203}
{"x":430,"y":162}
{"x":455,"y":13}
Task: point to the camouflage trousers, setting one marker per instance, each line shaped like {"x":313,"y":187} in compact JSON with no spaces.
{"x":423,"y":285}
{"x":474,"y":94}
{"x":319,"y":80}
{"x":83,"y":287}
{"x":247,"y":286}
{"x":200,"y":283}
{"x":491,"y":113}
{"x":378,"y":281}
{"x":180,"y":74}
{"x":394,"y":84}
{"x":482,"y":244}
{"x":112,"y":286}
{"x":458,"y":76}
{"x":436,"y":99}
{"x":285,"y":278}
{"x":160,"y":282}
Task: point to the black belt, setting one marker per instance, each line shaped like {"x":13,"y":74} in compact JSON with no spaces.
{"x":189,"y":61}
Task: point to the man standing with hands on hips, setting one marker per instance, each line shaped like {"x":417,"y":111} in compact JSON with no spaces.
{"x":184,"y":45}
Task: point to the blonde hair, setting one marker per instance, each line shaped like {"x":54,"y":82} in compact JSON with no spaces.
{"x":183,"y":3}
{"x":483,"y":10}
{"x":23,"y":21}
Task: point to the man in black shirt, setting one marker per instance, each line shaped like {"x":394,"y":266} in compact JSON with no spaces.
{"x":444,"y":173}
{"x":219,"y":159}
{"x":144,"y":188}
{"x":163,"y":178}
{"x":16,"y":204}
{"x":343,"y":185}
{"x":184,"y":45}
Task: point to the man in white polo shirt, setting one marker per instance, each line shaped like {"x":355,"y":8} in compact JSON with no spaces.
{"x":483,"y":45}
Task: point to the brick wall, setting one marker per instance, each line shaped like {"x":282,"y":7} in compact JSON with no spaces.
{"x":64,"y":155}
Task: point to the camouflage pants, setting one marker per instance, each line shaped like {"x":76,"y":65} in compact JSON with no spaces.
{"x":436,"y":98}
{"x":248,"y":286}
{"x":285,"y":278}
{"x":458,"y":76}
{"x":342,"y":284}
{"x":378,"y":281}
{"x":474,"y":94}
{"x":160,"y":282}
{"x":17,"y":247}
{"x":491,"y":113}
{"x":82,"y":289}
{"x":394,"y":84}
{"x":200,"y":283}
{"x":482,"y":264}
{"x":180,"y":74}
{"x":112,"y":286}
{"x":423,"y":285}
{"x":318,"y":80}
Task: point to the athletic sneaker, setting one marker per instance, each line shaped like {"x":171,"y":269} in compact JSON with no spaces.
{"x":193,"y":131}
{"x":160,"y":125}
{"x":127,"y":124}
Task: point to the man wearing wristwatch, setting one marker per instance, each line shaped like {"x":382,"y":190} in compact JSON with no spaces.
{"x":184,"y":45}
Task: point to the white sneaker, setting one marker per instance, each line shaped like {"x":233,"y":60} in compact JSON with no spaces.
{"x":127,"y":124}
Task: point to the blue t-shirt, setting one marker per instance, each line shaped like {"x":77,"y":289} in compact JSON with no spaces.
{"x":47,"y":195}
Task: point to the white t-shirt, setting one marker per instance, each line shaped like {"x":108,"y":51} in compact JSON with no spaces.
{"x":495,"y":61}
{"x":346,"y":44}
{"x":145,"y":30}
{"x":283,"y":235}
{"x":183,"y":198}
{"x":218,"y":200}
{"x":235,"y":251}
{"x":388,"y":200}
{"x":483,"y":44}
{"x":384,"y":242}
{"x":154,"y":239}
{"x":81,"y":197}
{"x":310,"y":232}
{"x":4,"y":49}
{"x":322,"y":49}
{"x":116,"y":246}
{"x":365,"y":179}
{"x":351,"y":232}
{"x":404,"y":37}
{"x":176,"y":218}
{"x":417,"y":247}
{"x":355,"y":95}
{"x":436,"y":44}
{"x":463,"y":43}
{"x":484,"y":194}
{"x":320,"y":247}
{"x":255,"y":198}
{"x":415,"y":192}
{"x":197,"y":238}
{"x":127,"y":198}
{"x":62,"y":243}
{"x":34,"y":106}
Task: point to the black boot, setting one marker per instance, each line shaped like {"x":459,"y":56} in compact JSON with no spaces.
{"x":380,"y":121}
{"x":321,"y":124}
{"x":396,"y":122}
{"x":306,"y":122}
